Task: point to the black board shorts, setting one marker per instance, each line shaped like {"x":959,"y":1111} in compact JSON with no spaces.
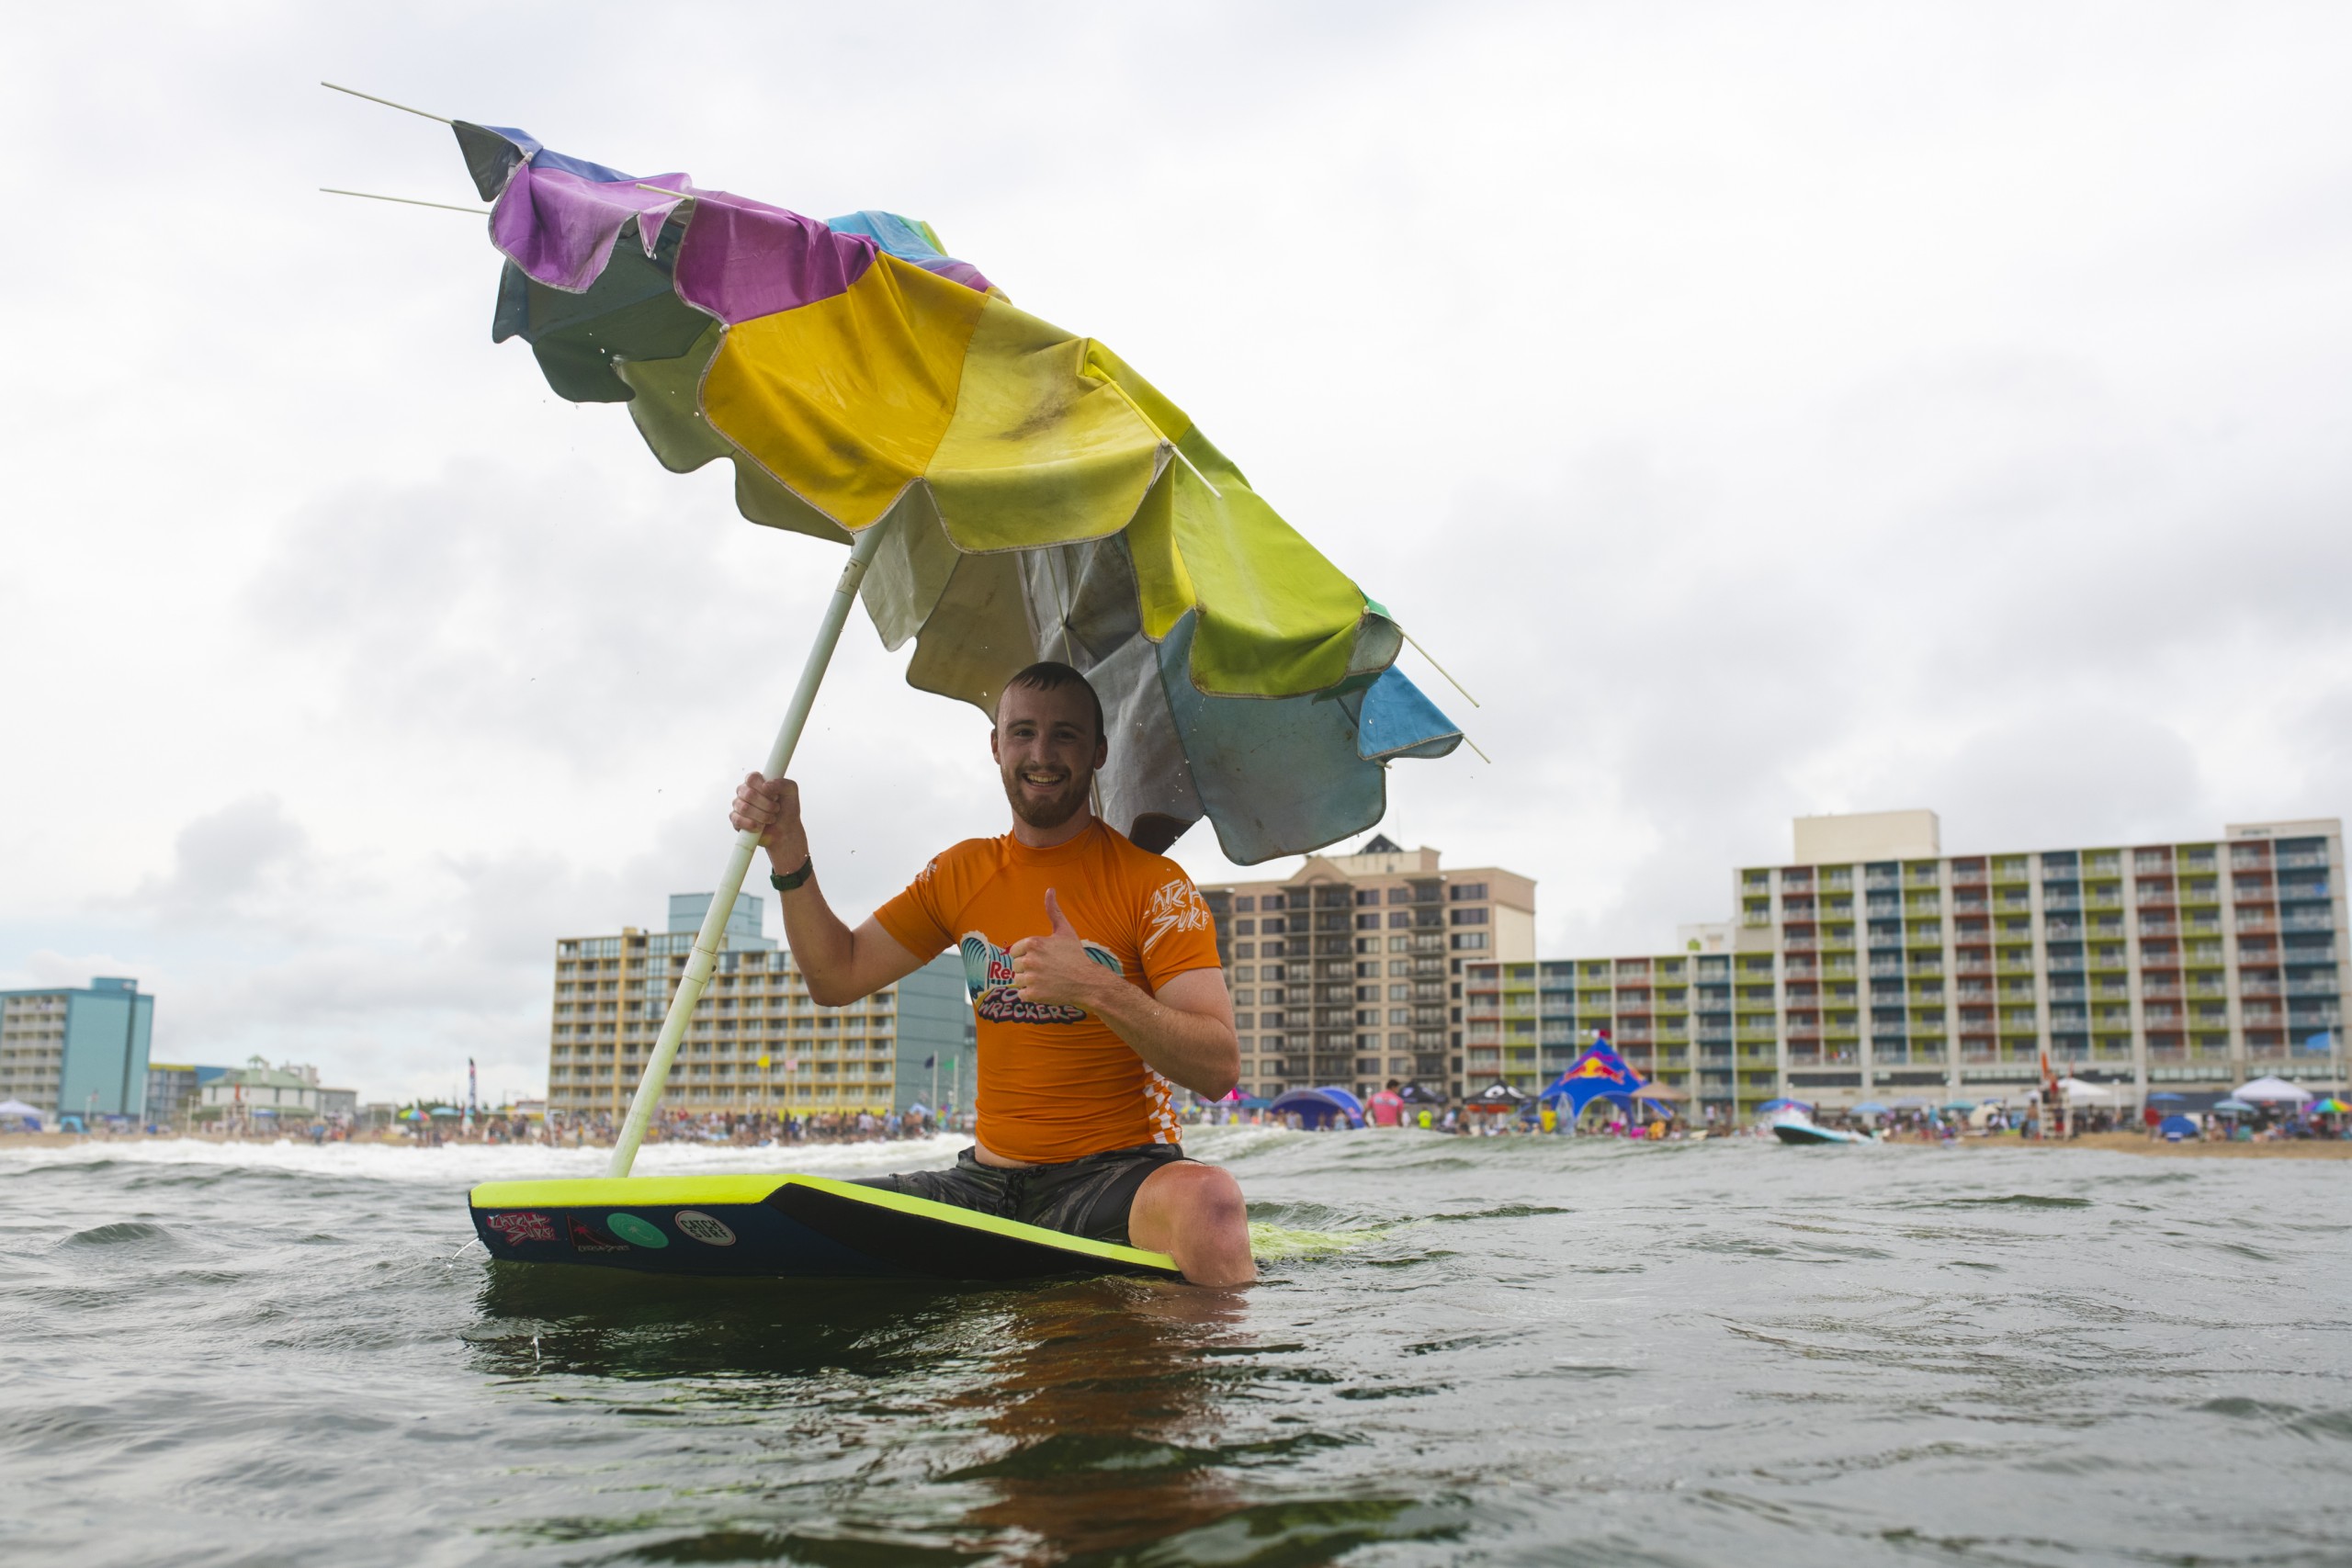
{"x":1087,"y":1197}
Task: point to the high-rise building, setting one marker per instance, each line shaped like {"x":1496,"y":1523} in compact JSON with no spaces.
{"x":77,"y":1050}
{"x":757,"y":1041}
{"x":1349,"y":972}
{"x":1875,"y":966}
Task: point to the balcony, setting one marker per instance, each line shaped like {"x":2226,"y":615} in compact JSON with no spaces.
{"x":2304,"y":860}
{"x":2312,"y":920}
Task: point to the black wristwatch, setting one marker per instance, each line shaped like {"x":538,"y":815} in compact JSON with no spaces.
{"x":786,"y":884}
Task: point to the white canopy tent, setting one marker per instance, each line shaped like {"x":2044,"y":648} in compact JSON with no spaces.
{"x":2081,"y":1091}
{"x":2270,"y":1091}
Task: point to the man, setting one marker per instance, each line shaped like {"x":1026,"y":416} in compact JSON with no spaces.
{"x":1387,"y":1106}
{"x":1093,"y":972}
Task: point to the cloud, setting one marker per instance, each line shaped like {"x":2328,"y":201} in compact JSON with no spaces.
{"x":1763,"y":414}
{"x":228,"y":862}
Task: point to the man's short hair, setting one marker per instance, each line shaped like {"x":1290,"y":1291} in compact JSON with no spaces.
{"x":1052,"y":675}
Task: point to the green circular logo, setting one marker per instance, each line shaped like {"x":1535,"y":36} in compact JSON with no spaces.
{"x":628,"y":1227}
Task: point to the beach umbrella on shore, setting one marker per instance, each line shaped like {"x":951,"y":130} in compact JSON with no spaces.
{"x":1010,"y":491}
{"x":1868,"y":1108}
{"x":2234,"y":1107}
{"x":2331,"y":1106}
{"x":2177,"y":1126}
{"x":1771,"y":1105}
{"x":2270,"y":1091}
{"x":2167,"y":1097}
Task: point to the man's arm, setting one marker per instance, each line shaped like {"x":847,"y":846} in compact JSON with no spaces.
{"x":1185,"y":1032}
{"x":841,"y":966}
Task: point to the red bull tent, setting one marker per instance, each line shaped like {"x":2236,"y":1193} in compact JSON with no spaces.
{"x":1599,"y":1074}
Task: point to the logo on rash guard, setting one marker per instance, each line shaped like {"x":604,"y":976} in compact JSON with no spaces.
{"x":988,"y":973}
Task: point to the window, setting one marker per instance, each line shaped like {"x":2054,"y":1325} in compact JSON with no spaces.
{"x":1400,"y":918}
{"x":1469,"y":941}
{"x":1244,"y":904}
{"x":1367,"y":895}
{"x":1368,"y":922}
{"x":1400,"y":895}
{"x":1467,"y":893}
{"x":1468,"y":917}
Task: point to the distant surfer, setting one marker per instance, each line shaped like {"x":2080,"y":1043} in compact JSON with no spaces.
{"x":1094,"y":972}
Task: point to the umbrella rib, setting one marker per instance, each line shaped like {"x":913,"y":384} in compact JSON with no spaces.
{"x":1179,"y":451}
{"x":405,"y":200}
{"x":421,"y":114}
{"x":1441,"y":670}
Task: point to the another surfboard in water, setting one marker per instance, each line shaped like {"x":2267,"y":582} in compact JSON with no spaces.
{"x":784,"y":1226}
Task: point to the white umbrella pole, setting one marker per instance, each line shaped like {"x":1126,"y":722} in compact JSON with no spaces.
{"x":739,"y":864}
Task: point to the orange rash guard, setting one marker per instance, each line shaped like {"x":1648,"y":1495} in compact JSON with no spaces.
{"x":1055,"y":1083}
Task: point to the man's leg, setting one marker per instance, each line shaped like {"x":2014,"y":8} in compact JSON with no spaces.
{"x":1194,"y":1212}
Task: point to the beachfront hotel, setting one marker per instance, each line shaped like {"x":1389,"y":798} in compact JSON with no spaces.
{"x":1350,"y":971}
{"x":77,"y":1050}
{"x":612,"y":993}
{"x":1875,"y":966}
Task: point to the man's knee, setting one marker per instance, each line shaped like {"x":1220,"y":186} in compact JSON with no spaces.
{"x":1195,"y":1196}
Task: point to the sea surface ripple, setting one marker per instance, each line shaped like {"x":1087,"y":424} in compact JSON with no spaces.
{"x":1500,"y":1352}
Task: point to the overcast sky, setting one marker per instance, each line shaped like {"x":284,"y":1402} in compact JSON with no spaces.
{"x":1762,"y":410}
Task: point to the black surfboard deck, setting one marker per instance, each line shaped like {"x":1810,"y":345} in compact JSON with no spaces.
{"x":779,"y":1226}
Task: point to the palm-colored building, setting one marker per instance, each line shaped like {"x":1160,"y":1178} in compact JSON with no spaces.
{"x":1873,"y":966}
{"x":757,"y":1041}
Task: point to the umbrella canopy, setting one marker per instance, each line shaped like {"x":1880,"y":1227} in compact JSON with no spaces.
{"x":2167,"y":1097}
{"x":2270,"y":1091}
{"x":1039,"y":498}
{"x":2080,"y":1091}
{"x":1322,"y":1107}
{"x":2177,"y":1126}
{"x":1869,"y":1108}
{"x":17,"y":1108}
{"x":1420,"y":1094}
{"x":1497,"y":1095}
{"x":2331,"y":1106}
{"x":2234,"y":1107}
{"x":1962,"y":1106}
{"x":1771,"y":1105}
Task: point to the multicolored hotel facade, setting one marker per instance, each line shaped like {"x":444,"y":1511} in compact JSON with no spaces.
{"x":1874,"y":966}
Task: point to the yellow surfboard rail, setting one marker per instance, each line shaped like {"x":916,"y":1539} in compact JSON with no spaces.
{"x":691,"y":1192}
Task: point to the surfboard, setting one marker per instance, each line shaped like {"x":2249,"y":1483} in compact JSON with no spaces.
{"x":781,"y":1227}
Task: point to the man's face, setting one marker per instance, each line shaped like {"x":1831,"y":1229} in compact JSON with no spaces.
{"x":1047,"y":748}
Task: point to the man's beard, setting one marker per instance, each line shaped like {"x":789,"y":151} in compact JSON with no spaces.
{"x":1049,"y":814}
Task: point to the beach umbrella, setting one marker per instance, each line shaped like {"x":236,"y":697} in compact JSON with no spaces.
{"x":2270,"y":1091}
{"x":2331,"y":1106}
{"x":2167,"y":1097}
{"x":2177,"y":1126}
{"x":1010,"y":491}
{"x":1962,"y":1106}
{"x":1771,"y":1105}
{"x":2234,"y":1107}
{"x":1870,"y":1108}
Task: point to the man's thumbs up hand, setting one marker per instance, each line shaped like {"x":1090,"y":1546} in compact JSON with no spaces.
{"x":1053,"y":968}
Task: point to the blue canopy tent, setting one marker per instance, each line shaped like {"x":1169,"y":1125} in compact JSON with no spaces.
{"x":2177,"y":1126}
{"x":1598,"y":1074}
{"x":1320,"y":1108}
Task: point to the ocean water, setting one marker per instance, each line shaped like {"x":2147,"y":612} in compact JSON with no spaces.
{"x":1490,"y":1352}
